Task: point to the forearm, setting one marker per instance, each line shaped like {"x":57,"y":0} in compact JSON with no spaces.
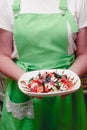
{"x":9,"y":68}
{"x":80,"y":65}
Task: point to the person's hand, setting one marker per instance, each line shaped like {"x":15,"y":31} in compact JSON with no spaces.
{"x":64,"y":96}
{"x":37,"y":97}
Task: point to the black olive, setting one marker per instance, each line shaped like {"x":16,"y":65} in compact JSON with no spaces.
{"x":58,"y":76}
{"x":57,"y":86}
{"x":48,"y":78}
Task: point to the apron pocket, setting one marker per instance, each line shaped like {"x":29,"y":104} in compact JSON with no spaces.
{"x":20,"y":110}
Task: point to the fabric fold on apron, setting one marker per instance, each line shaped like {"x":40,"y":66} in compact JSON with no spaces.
{"x":62,"y":63}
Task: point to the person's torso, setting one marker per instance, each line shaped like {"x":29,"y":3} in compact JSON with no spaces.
{"x":42,"y":39}
{"x":46,"y":7}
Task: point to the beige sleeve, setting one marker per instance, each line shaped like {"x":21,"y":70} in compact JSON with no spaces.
{"x":5,"y":15}
{"x":82,"y":13}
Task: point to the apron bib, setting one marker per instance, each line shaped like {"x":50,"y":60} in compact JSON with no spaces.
{"x":42,"y":43}
{"x":46,"y":44}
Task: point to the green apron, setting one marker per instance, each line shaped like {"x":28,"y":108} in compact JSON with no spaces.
{"x":42,"y":43}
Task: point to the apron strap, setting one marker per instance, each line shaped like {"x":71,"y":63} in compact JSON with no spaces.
{"x":63,"y":5}
{"x":68,"y":15}
{"x":16,"y":7}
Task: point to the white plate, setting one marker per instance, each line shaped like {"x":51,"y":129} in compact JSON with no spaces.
{"x":28,"y":75}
